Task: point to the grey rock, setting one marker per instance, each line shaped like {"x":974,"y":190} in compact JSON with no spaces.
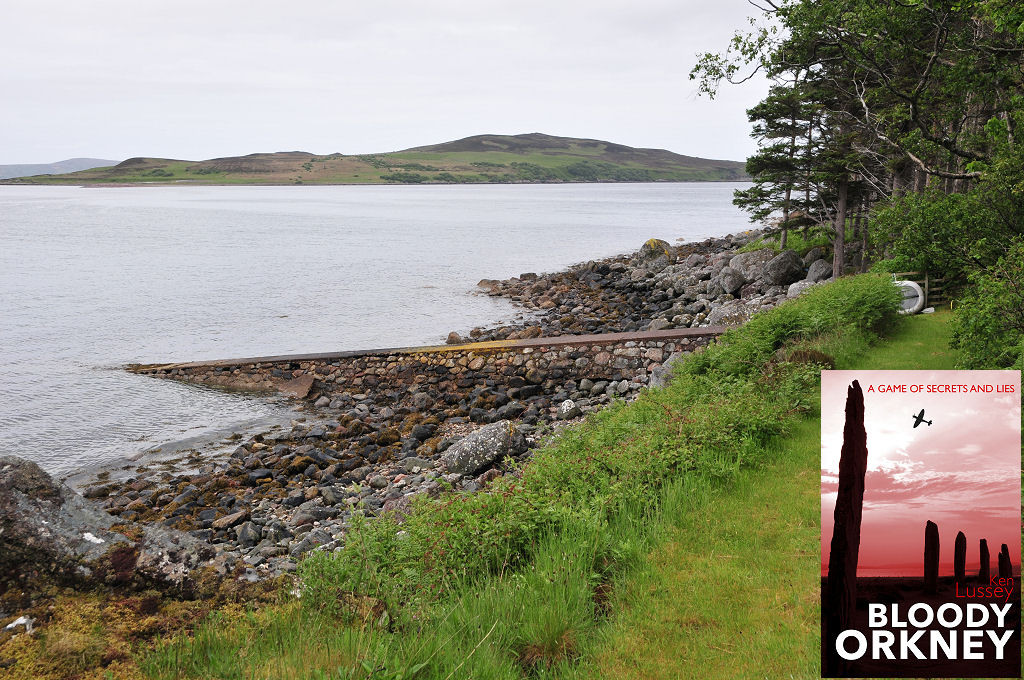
{"x":297,"y":388}
{"x":819,"y":270}
{"x":481,"y":448}
{"x":322,"y":402}
{"x":797,"y":289}
{"x":46,"y":527}
{"x":302,"y":546}
{"x":660,"y":375}
{"x":248,"y":535}
{"x":731,"y":313}
{"x":568,"y":409}
{"x":813,"y":255}
{"x":421,"y":401}
{"x":783,"y":269}
{"x":412,"y":462}
{"x":750,"y":264}
{"x":731,"y":280}
{"x":332,"y":495}
{"x":228,"y":521}
{"x":653,"y":251}
{"x":255,"y":476}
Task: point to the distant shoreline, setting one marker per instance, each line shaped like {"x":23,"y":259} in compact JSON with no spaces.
{"x":191,"y":183}
{"x":484,"y":159}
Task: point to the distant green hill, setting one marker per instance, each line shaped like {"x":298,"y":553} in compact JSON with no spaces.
{"x":530,"y":158}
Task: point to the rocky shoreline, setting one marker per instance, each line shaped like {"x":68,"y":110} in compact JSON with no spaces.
{"x":369,"y":448}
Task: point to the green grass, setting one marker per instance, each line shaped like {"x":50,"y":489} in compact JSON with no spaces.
{"x":797,"y":239}
{"x":732,"y":589}
{"x":921,"y":343}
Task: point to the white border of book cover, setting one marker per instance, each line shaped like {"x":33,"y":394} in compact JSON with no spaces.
{"x":920,"y":524}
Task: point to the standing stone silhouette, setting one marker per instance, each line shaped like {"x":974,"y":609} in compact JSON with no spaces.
{"x":960,"y":558}
{"x":983,"y":570}
{"x":1005,"y":567}
{"x":931,"y":557}
{"x":841,"y":588}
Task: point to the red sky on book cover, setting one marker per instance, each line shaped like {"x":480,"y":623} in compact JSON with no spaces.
{"x":925,"y":468}
{"x":961,"y":472}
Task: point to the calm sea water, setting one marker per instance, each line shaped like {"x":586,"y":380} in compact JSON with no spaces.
{"x":94,"y":278}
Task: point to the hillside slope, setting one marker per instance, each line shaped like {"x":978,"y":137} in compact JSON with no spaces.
{"x":480,"y":159}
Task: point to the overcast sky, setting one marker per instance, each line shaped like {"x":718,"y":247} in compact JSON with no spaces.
{"x":200,"y":79}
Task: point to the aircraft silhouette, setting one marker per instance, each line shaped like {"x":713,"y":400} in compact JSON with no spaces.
{"x":919,"y":418}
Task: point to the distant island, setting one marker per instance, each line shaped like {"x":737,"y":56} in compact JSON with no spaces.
{"x":528,"y":158}
{"x":67,"y":166}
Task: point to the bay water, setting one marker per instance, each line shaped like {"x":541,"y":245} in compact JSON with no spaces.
{"x":94,"y":278}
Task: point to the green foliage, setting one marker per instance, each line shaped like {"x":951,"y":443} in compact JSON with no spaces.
{"x":531,"y":172}
{"x":405,"y":177}
{"x":988,"y":322}
{"x":375,"y":161}
{"x":872,"y":99}
{"x":956,"y":234}
{"x":801,"y":241}
{"x":417,"y":166}
{"x":868,"y":302}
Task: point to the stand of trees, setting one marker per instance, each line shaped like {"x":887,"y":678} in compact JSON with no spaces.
{"x":903,"y":115}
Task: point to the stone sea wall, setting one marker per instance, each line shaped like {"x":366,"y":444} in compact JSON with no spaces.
{"x":529,"y":366}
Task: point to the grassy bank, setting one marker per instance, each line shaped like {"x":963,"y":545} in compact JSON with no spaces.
{"x":732,"y":588}
{"x":535,"y":578}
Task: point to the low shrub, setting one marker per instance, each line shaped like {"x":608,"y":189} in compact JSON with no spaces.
{"x":988,"y":320}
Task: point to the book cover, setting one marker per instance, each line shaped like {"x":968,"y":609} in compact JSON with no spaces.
{"x":920,"y":524}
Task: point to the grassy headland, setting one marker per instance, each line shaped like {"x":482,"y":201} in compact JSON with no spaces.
{"x":531,"y":158}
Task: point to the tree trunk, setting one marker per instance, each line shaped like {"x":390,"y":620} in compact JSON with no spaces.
{"x":865,"y":261}
{"x":839,"y":245}
{"x":785,"y":219}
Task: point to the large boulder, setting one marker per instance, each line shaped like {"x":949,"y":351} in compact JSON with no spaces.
{"x":751,"y":264}
{"x":653,"y":248}
{"x":783,"y":269}
{"x":732,"y":313}
{"x":731,"y":280}
{"x":48,"y":529}
{"x":797,"y":289}
{"x":819,"y":270}
{"x":481,"y":448}
{"x":812,"y":255}
{"x":655,"y":255}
